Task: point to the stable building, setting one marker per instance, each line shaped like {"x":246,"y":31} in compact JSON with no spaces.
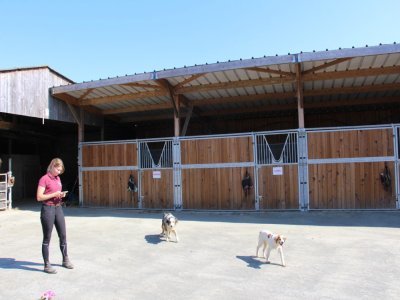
{"x":305,"y":131}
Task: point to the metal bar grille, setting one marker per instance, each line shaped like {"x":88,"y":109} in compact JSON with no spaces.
{"x":156,"y":154}
{"x":269,"y":153}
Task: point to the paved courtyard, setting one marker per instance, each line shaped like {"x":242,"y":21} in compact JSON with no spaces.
{"x":118,"y":254}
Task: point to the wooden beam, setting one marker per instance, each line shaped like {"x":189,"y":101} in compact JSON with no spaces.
{"x":238,"y":99}
{"x":326,"y":65}
{"x":187,"y":80}
{"x":234,"y":84}
{"x":171,"y":92}
{"x":270,"y":71}
{"x":353,"y":102}
{"x":74,"y":114}
{"x":6,"y":125}
{"x":85,"y":94}
{"x":351,"y":73}
{"x":293,"y":106}
{"x":67,"y":99}
{"x":188,"y":116}
{"x":353,"y":89}
{"x":142,"y":85}
{"x":137,"y":108}
{"x":112,"y":99}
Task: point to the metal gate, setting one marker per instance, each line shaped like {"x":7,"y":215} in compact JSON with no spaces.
{"x":5,"y":191}
{"x":277,"y":177}
{"x":156,"y":178}
{"x":397,"y":164}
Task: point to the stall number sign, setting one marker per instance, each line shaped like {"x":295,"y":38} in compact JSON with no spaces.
{"x":156,"y":174}
{"x":277,"y":171}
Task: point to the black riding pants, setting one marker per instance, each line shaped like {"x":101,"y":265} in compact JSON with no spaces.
{"x":49,"y":216}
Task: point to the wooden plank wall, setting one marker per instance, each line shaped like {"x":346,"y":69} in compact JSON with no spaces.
{"x":109,"y":188}
{"x":109,"y":155}
{"x":279,"y":191}
{"x":216,"y":188}
{"x":157,"y":192}
{"x":349,"y":144}
{"x":350,"y":185}
{"x":217,"y":150}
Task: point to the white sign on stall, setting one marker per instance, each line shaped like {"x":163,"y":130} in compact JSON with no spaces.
{"x":156,"y":174}
{"x":277,"y":171}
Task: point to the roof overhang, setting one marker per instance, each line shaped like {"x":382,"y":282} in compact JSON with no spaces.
{"x":356,"y":76}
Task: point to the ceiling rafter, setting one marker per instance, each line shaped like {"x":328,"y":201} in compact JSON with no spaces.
{"x":187,"y":80}
{"x":137,"y":108}
{"x":142,"y":85}
{"x":326,"y":65}
{"x":270,"y":71}
{"x":133,"y":96}
{"x":255,"y":98}
{"x":293,"y":106}
{"x":234,"y":84}
{"x":351,"y":73}
{"x":164,"y":83}
{"x":85,"y":94}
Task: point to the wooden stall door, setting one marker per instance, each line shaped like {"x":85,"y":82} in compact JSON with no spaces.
{"x":109,"y":189}
{"x":278,"y":188}
{"x":157,"y":189}
{"x":217,"y":189}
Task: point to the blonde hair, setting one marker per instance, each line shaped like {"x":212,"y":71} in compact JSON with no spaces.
{"x":56,"y":162}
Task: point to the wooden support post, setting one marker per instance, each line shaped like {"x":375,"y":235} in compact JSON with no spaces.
{"x":81,"y":129}
{"x":177,"y":127}
{"x":299,"y":94}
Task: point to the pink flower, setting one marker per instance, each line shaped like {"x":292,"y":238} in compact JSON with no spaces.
{"x":48,"y":295}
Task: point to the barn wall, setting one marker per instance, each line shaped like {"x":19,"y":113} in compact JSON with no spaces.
{"x":105,"y":171}
{"x":343,"y":171}
{"x":25,"y":92}
{"x":345,"y":166}
{"x":217,"y":187}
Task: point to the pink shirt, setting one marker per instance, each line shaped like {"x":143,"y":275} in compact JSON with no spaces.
{"x":51,"y":184}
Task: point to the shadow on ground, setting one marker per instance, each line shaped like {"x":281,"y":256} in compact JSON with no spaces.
{"x":12,"y":263}
{"x":370,"y":218}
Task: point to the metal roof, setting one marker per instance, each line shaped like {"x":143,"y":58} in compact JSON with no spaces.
{"x":331,"y":78}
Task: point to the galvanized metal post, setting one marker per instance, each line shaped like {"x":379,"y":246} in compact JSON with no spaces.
{"x":177,"y":178}
{"x":257,"y":197}
{"x":396,"y":141}
{"x":303,"y":170}
{"x":140,"y":173}
{"x":80,"y":174}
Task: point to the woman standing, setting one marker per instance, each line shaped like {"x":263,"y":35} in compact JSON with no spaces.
{"x":49,"y":192}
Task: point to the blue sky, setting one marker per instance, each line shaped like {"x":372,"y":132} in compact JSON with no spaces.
{"x":89,"y":40}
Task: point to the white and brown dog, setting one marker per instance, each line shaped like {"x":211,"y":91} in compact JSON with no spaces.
{"x":168,"y":225}
{"x":271,"y":241}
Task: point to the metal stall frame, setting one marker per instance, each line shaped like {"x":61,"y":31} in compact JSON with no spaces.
{"x":302,"y":160}
{"x":396,"y":142}
{"x":218,"y":165}
{"x":81,"y":169}
{"x":166,"y":161}
{"x":290,"y":158}
{"x":394,"y":158}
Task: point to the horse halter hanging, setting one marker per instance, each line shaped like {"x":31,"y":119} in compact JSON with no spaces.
{"x":386,"y":179}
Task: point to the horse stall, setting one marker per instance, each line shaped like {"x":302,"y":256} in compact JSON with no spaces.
{"x":352,"y":168}
{"x":213,"y":169}
{"x":333,"y":168}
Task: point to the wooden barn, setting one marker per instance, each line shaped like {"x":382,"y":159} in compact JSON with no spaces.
{"x":305,"y":131}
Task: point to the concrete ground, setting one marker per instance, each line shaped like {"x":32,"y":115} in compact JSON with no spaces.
{"x":118,"y":254}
